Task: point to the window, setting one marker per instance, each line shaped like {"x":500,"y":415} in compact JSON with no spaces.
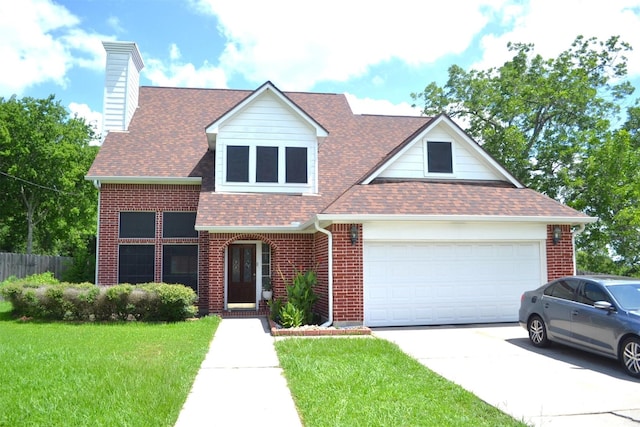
{"x":439,"y":157}
{"x":591,"y":293}
{"x":262,"y":164}
{"x":179,"y":224}
{"x":266,"y":164}
{"x":564,"y":289}
{"x":137,"y":225}
{"x":296,"y":158}
{"x":136,"y":264}
{"x":237,"y":163}
{"x":180,"y":265}
{"x":266,"y":262}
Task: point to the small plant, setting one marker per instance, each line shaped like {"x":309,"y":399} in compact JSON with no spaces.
{"x":291,"y":316}
{"x":301,"y":296}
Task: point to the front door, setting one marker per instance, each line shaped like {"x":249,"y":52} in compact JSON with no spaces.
{"x":241,"y":274}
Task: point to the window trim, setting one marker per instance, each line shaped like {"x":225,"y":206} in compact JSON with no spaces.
{"x":425,"y":149}
{"x":282,"y":165}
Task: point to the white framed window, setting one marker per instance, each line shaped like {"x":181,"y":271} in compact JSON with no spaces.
{"x":267,"y":164}
{"x":438,"y":158}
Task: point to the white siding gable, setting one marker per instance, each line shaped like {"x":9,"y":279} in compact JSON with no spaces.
{"x":469,"y":162}
{"x":266,"y":121}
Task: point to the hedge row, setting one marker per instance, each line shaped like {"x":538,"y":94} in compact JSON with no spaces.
{"x":34,"y":297}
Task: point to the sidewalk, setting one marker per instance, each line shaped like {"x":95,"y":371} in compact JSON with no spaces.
{"x":240,"y":382}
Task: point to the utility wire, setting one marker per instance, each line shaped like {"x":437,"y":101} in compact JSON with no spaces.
{"x":39,"y":185}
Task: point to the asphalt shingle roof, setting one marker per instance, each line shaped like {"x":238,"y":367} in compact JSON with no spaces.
{"x":166,"y":138}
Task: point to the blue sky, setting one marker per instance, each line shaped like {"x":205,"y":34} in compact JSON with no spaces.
{"x":377,"y":52}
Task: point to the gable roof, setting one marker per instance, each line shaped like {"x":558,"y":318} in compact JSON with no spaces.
{"x":420,"y":133}
{"x":167,"y":143}
{"x":268,"y":87}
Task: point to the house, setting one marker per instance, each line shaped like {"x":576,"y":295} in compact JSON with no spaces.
{"x":407,"y":220}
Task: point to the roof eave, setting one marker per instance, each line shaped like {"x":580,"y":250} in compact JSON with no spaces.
{"x":551,"y":219}
{"x":105,"y":179}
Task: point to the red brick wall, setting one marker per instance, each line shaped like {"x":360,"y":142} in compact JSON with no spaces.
{"x":115,"y":198}
{"x":288,"y":253}
{"x":559,"y":256}
{"x":348,"y":289}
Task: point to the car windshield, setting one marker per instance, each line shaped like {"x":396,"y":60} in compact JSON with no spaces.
{"x":628,"y":296}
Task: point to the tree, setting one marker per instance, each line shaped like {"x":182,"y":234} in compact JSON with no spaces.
{"x":44,"y":154}
{"x":549,"y":121}
{"x":531,"y":114}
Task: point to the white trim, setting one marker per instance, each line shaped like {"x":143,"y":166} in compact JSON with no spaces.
{"x":349,"y":218}
{"x":425,"y":151}
{"x":145,"y":180}
{"x":268,"y":86}
{"x":473,"y":146}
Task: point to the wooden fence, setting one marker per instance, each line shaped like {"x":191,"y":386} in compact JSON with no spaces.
{"x":22,"y":265}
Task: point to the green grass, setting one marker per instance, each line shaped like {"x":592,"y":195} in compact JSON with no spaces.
{"x":97,"y":374}
{"x":371,"y":382}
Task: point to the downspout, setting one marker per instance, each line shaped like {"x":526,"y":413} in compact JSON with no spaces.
{"x":329,"y":272}
{"x":574,"y":233}
{"x":96,"y":183}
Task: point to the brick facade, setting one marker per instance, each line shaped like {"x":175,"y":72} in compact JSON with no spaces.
{"x":560,"y":256}
{"x":289,"y":252}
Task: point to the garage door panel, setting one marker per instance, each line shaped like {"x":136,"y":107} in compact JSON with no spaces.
{"x":447,"y":283}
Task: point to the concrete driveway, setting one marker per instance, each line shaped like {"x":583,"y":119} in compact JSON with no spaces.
{"x":556,"y":386}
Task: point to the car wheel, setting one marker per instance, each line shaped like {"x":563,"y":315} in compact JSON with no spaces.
{"x":630,"y":356}
{"x":538,"y":332}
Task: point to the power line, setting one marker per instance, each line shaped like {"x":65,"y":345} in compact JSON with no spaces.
{"x":39,"y":185}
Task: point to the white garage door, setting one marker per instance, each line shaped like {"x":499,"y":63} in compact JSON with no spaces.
{"x":447,"y":283}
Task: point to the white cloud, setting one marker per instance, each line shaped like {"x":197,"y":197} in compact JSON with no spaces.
{"x":297,"y":44}
{"x":553,"y":25}
{"x":31,"y":54}
{"x":380,"y":106}
{"x":177,"y":74}
{"x":92,"y":118}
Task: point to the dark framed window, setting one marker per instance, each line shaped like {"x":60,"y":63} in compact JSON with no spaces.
{"x":136,"y":264}
{"x":180,"y":265}
{"x":439,"y":157}
{"x":296,"y":165}
{"x":590,"y":293}
{"x":266,"y":164}
{"x":237,"y":163}
{"x":137,"y":225}
{"x":179,"y":224}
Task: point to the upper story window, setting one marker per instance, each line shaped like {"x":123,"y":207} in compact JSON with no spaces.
{"x":439,"y":157}
{"x":179,"y":224}
{"x":267,"y":164}
{"x":138,"y":225}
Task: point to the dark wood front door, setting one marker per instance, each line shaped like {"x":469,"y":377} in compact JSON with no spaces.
{"x":241,"y":274}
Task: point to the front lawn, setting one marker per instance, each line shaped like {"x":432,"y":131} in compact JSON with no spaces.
{"x":371,"y":382}
{"x":98,"y":374}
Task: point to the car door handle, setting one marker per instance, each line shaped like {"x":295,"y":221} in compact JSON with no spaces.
{"x":574,"y":312}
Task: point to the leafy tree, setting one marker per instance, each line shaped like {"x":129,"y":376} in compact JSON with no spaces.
{"x":531,"y":113}
{"x":549,"y":121}
{"x":608,"y":186}
{"x":47,"y":206}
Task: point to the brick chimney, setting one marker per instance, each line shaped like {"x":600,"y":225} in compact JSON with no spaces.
{"x":122,"y":81}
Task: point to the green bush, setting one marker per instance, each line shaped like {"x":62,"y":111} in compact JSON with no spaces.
{"x":291,"y":316}
{"x":85,"y":301}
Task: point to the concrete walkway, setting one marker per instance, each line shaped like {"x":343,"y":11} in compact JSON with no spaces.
{"x":240,"y":382}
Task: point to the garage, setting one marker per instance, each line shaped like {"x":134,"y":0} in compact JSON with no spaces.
{"x":430,"y":283}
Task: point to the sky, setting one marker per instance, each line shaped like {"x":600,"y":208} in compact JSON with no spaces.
{"x":376,"y":52}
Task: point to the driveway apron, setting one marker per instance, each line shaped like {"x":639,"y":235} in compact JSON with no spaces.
{"x":240,"y":382}
{"x":555,"y":386}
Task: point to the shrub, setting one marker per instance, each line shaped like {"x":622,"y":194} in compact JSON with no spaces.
{"x":291,"y":316}
{"x":301,"y":296}
{"x":85,"y":301}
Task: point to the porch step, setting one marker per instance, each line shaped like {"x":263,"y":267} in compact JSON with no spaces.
{"x":231,"y":314}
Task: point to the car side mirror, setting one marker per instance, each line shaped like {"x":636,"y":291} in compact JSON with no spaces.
{"x":603,"y":305}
